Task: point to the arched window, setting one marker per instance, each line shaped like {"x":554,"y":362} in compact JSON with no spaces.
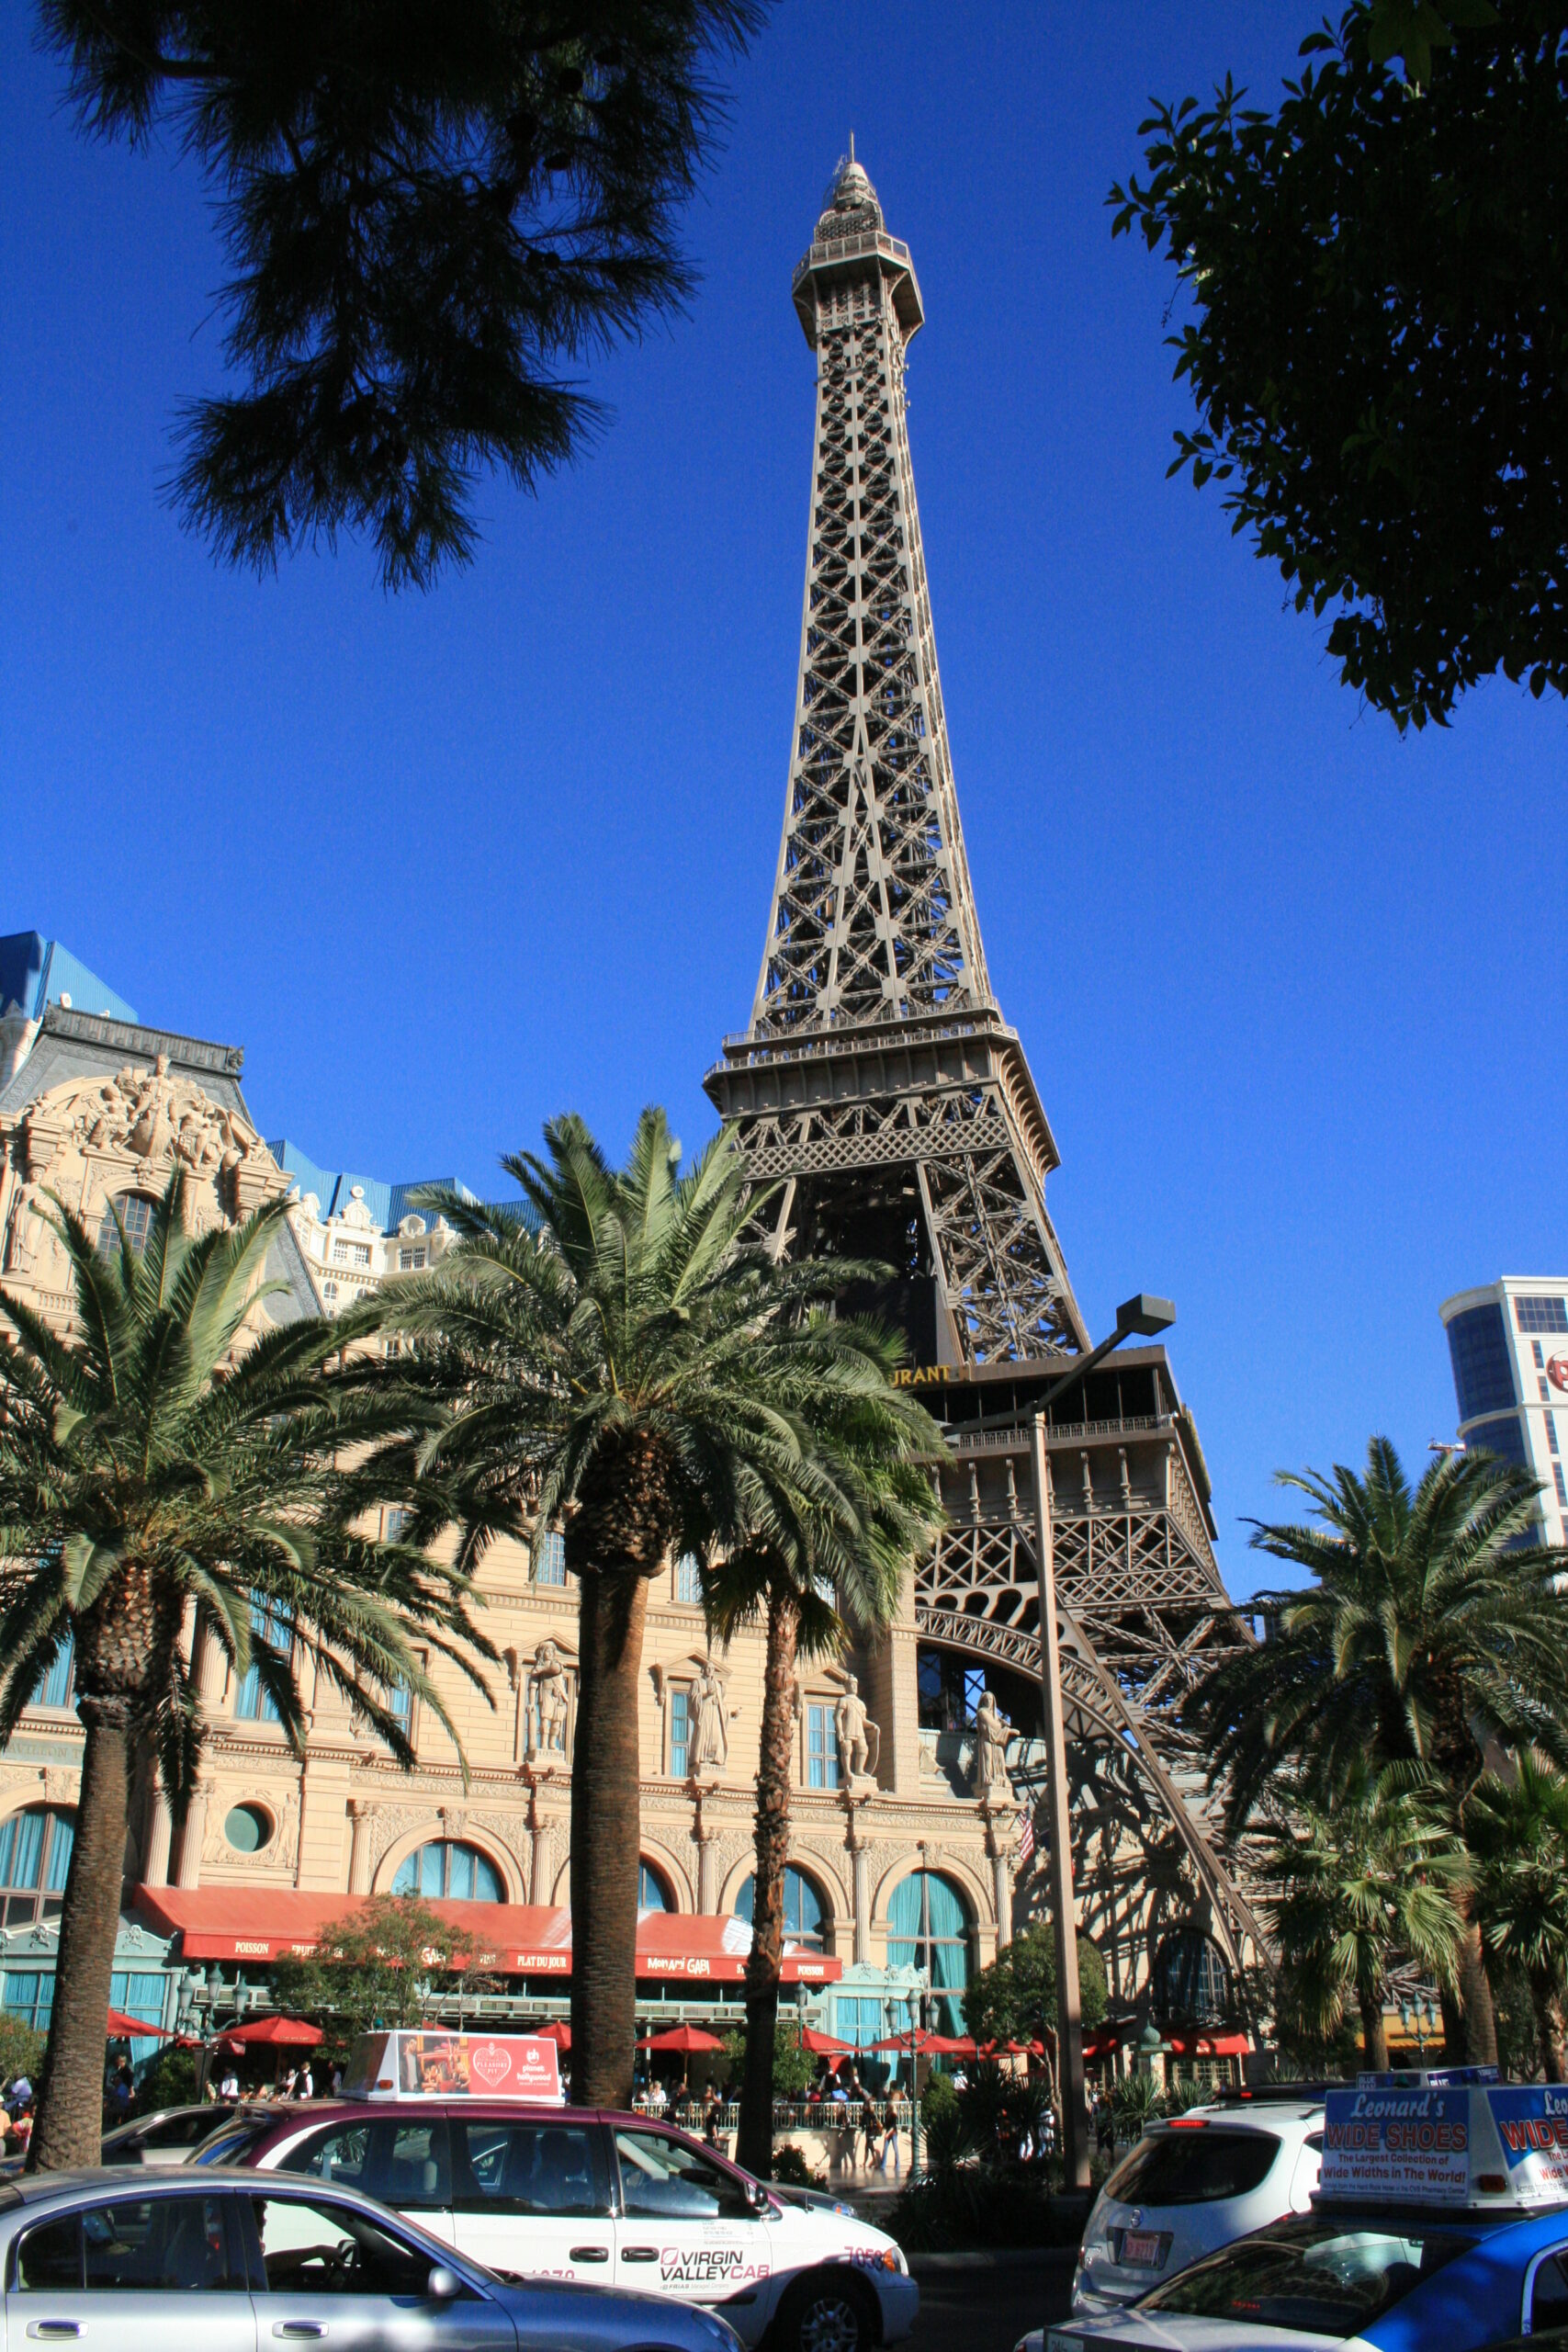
{"x":136,"y":1215}
{"x":1192,"y":1983}
{"x":34,"y":1854}
{"x":461,"y":1874}
{"x":802,"y":1908}
{"x":652,"y":1894}
{"x":927,"y":1927}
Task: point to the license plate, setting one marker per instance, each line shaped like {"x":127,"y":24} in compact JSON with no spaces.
{"x":1140,"y":2249}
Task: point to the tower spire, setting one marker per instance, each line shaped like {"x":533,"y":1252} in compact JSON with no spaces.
{"x":874,"y":995}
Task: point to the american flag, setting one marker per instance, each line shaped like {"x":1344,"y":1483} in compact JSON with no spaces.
{"x":1026,"y":1839}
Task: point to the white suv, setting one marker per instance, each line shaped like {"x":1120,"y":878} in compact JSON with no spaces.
{"x":1193,"y":2183}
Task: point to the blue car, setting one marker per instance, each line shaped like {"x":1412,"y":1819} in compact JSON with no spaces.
{"x":1440,"y":2225}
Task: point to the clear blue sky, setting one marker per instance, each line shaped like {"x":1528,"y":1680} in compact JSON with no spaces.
{"x":1292,"y":990}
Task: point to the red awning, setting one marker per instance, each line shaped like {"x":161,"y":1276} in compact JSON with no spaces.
{"x":1208,"y":2045}
{"x":507,"y":1939}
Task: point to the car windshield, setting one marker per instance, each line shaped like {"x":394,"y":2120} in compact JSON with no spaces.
{"x":233,"y":2145}
{"x":1323,"y":2277}
{"x":1193,"y":2168}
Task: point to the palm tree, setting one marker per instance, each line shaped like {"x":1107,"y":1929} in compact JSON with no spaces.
{"x":876,"y":1445}
{"x":1366,"y":1878}
{"x":628,"y":1365}
{"x":162,"y":1471}
{"x":1517,"y":1828}
{"x":1425,"y":1635}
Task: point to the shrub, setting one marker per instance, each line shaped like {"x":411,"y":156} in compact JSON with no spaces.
{"x":790,"y":2165}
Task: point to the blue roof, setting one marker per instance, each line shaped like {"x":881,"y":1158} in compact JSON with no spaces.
{"x":387,"y":1203}
{"x":35,"y":971}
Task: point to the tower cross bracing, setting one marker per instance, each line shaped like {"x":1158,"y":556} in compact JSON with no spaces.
{"x":880,"y":1094}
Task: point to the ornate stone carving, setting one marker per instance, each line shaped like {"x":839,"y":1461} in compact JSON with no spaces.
{"x":993,"y":1731}
{"x":279,"y":1851}
{"x":393,"y":1822}
{"x":710,"y":1731}
{"x":859,"y":1742}
{"x":548,"y":1704}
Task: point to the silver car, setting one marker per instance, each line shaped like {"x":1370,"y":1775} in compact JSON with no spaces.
{"x":162,"y":2263}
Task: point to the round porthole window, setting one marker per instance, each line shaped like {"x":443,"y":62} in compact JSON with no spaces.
{"x":248,"y":1828}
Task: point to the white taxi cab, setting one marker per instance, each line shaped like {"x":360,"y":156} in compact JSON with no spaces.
{"x":603,"y":2199}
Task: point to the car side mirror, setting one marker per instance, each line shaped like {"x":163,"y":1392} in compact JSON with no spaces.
{"x":756,"y":2197}
{"x":442,"y":2284}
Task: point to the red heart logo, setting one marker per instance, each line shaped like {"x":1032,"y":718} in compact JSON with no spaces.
{"x":490,"y":2063}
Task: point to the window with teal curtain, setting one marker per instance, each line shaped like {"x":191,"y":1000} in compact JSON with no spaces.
{"x":30,"y":1994}
{"x":927,"y":1927}
{"x":55,"y":1687}
{"x":680,"y":1730}
{"x":688,"y":1577}
{"x":140,"y":1993}
{"x":549,"y":1558}
{"x":857,"y":2020}
{"x":652,"y":1894}
{"x":802,"y":1908}
{"x":821,"y":1749}
{"x":446,"y":1871}
{"x":35,"y":1855}
{"x":272,"y":1622}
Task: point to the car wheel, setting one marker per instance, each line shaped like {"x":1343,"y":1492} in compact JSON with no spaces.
{"x":827,"y":2313}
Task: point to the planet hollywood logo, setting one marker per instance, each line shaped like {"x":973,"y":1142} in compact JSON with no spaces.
{"x":1557,"y":1372}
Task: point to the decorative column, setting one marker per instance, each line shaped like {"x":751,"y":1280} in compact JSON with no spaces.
{"x":861,"y":1873}
{"x":1002,"y":1872}
{"x":160,"y":1839}
{"x":359,"y":1811}
{"x":542,"y":1873}
{"x":192,"y":1837}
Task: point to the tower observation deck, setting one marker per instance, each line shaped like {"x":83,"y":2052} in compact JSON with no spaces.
{"x":884,"y":1099}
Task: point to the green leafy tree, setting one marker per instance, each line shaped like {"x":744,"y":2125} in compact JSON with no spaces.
{"x":1517,"y":1828}
{"x":1424,"y":1634}
{"x":432,"y":214}
{"x":626,"y":1361}
{"x":1364,"y":1880}
{"x":369,"y":1967}
{"x":22,"y":2049}
{"x":859,"y":1540}
{"x":1377,"y":331}
{"x":162,"y":1461}
{"x":1014,"y":1999}
{"x":791,"y":2069}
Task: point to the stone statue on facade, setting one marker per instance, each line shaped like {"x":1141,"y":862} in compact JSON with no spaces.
{"x":859,"y":1738}
{"x":710,"y":1732}
{"x":993,"y":1731}
{"x":547,"y":1703}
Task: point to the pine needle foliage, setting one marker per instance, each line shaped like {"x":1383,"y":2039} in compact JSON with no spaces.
{"x":434,"y":216}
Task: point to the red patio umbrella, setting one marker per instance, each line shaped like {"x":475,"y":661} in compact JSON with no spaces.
{"x":124,"y":2028}
{"x":685,"y":2039}
{"x":273,"y":2033}
{"x":825,"y":2045}
{"x":682,"y":2038}
{"x":558,"y":2032}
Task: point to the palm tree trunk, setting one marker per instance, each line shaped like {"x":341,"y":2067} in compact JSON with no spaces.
{"x":1374,"y":2041}
{"x":1478,"y":2018}
{"x":1548,"y":2027}
{"x":70,"y":2089}
{"x":606,"y":1839}
{"x":754,"y":2142}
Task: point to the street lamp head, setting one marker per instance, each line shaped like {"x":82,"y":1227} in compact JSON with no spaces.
{"x":1145,"y":1316}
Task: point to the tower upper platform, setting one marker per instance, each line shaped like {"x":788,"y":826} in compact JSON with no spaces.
{"x":851,"y":239}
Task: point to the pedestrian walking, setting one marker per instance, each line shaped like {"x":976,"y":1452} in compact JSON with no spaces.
{"x":890,"y":2134}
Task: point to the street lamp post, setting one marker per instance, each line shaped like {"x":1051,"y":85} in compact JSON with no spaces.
{"x":1142,"y":1317}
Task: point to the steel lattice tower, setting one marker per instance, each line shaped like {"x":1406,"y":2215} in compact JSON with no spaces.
{"x":880,"y":1091}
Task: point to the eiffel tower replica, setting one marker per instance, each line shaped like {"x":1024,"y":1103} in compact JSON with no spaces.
{"x":884,"y":1099}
